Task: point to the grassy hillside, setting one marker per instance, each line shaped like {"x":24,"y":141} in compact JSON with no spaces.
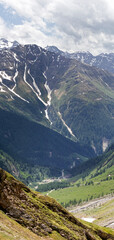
{"x":85,"y":98}
{"x":93,"y":179}
{"x":10,"y":230}
{"x":42,"y":215}
{"x":76,"y":195}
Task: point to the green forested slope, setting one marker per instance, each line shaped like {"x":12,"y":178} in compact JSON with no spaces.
{"x":35,"y":147}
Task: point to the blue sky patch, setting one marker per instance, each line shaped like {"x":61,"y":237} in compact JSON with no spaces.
{"x":9,"y":16}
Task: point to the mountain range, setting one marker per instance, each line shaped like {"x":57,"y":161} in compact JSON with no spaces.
{"x":103,"y":61}
{"x":54,"y":110}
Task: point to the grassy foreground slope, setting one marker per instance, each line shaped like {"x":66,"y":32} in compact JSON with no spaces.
{"x":43,"y":215}
{"x":10,"y":230}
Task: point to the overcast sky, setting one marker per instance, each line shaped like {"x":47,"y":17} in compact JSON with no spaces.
{"x":71,"y":25}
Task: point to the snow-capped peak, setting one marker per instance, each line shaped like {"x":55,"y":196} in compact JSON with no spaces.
{"x":7,"y":44}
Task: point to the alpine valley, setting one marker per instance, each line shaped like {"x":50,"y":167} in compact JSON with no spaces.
{"x":56,"y":136}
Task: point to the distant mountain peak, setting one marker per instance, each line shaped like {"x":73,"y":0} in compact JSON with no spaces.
{"x":7,"y":44}
{"x":54,"y":49}
{"x":103,"y":60}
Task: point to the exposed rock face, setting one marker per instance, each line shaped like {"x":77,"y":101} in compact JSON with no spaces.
{"x":104,"y":60}
{"x":42,"y":215}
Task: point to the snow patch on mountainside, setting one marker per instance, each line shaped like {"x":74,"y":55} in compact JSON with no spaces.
{"x":92,"y":62}
{"x":17,"y":95}
{"x":1,"y":88}
{"x":24,"y":77}
{"x":4,"y":75}
{"x":105,"y":143}
{"x":47,"y":116}
{"x":16,"y":58}
{"x":7,"y":44}
{"x":44,"y":74}
{"x":16,"y":74}
{"x":33,"y":61}
{"x":49,"y":96}
{"x":38,"y":92}
{"x":47,"y":88}
{"x":88,"y":219}
{"x":69,"y":129}
{"x":34,"y":84}
{"x":45,"y":104}
{"x":93,"y":146}
{"x":49,"y":93}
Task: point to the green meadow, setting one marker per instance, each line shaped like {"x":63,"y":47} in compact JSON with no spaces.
{"x":76,"y":195}
{"x":96,"y":181}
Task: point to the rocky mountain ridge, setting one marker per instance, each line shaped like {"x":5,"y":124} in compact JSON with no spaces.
{"x":103,"y":60}
{"x":4,"y":44}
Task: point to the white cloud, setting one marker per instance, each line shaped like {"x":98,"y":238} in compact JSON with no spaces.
{"x":3,"y":28}
{"x":70,"y":25}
